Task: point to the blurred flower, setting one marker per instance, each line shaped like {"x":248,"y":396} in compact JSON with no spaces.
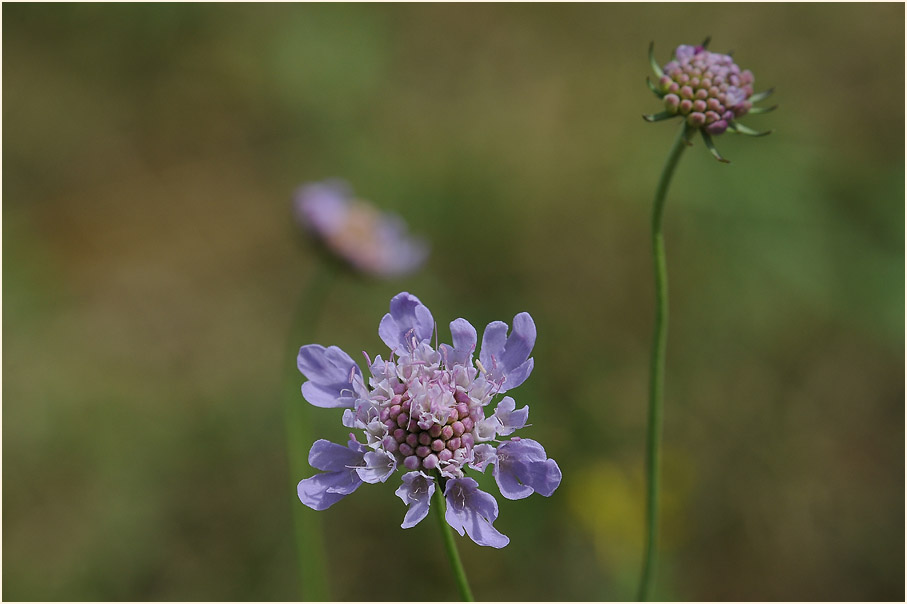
{"x":423,"y":411}
{"x":372,"y":242}
{"x":708,"y":90}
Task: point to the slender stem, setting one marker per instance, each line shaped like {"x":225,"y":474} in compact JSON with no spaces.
{"x":307,"y":523}
{"x":447,"y":533}
{"x":656,"y":378}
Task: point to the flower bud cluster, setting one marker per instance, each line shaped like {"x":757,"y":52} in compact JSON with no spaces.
{"x":708,"y":88}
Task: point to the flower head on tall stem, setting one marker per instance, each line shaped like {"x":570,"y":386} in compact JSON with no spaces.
{"x":355,"y":231}
{"x":707,"y":90}
{"x":422,"y":412}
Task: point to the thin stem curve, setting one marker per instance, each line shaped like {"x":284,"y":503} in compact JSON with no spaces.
{"x":656,"y":376}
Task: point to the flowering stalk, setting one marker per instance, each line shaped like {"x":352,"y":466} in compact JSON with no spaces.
{"x":656,"y":378}
{"x":709,"y":93}
{"x":307,"y":525}
{"x":451,"y":547}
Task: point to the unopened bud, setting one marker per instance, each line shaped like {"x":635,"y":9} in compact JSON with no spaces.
{"x":696,"y":119}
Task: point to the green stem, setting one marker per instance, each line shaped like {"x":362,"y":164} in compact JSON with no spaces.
{"x":447,"y":533}
{"x":656,"y":378}
{"x":307,"y":523}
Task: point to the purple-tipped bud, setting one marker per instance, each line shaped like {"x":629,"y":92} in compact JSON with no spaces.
{"x":717,"y":128}
{"x":424,"y":438}
{"x":402,"y":419}
{"x":463,"y":410}
{"x":696,"y":119}
{"x":742,"y":109}
{"x":468,"y":424}
{"x":435,"y":430}
{"x":711,"y":116}
{"x":458,"y":428}
{"x":394,"y":411}
{"x":446,"y":432}
{"x":437,"y":445}
{"x":390,"y":445}
{"x":702,"y":94}
{"x":454,"y":443}
{"x":445,"y":455}
{"x":405,"y":449}
{"x":461,"y":397}
{"x":422,"y":451}
{"x":411,"y":462}
{"x":384,"y":415}
{"x":664,"y":82}
{"x":430,"y":462}
{"x":686,"y":105}
{"x":713,"y":105}
{"x":699,"y":106}
{"x":672,"y":101}
{"x":706,"y":82}
{"x":453,"y":416}
{"x":686,"y":92}
{"x":674,"y":88}
{"x":412,"y":440}
{"x":399,"y":435}
{"x":727,"y":115}
{"x":390,"y":425}
{"x":405,"y":405}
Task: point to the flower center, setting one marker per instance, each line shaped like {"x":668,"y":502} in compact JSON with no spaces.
{"x":430,"y":421}
{"x":358,"y":235}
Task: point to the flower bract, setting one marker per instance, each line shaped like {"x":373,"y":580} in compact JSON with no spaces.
{"x":422,"y":412}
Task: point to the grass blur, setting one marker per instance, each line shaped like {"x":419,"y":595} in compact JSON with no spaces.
{"x":151,"y":270}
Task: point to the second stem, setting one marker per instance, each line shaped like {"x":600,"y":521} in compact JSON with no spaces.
{"x":656,"y":377}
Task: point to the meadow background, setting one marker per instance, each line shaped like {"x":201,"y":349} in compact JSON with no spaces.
{"x":151,"y":271}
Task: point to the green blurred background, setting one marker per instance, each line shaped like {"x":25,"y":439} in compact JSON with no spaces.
{"x":151,"y":271}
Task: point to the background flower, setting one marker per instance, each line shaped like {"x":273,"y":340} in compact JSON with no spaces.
{"x":357,"y":232}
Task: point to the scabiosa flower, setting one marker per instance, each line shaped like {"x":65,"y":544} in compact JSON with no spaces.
{"x":706,"y":89}
{"x":422,"y":412}
{"x":372,"y":242}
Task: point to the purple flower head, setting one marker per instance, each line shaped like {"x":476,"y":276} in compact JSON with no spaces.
{"x":707,"y":90}
{"x":423,"y":412}
{"x":372,"y":242}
